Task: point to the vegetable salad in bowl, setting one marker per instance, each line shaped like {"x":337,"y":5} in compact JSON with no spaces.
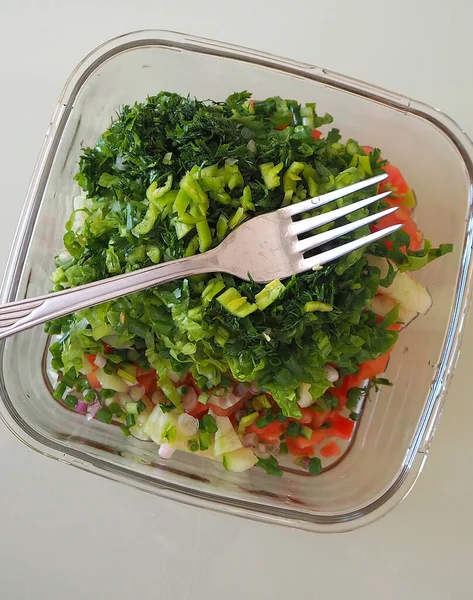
{"x":246,"y":374}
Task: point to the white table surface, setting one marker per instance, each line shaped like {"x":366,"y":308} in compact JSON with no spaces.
{"x":69,"y":534}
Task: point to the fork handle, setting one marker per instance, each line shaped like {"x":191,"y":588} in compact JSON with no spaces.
{"x":24,"y":314}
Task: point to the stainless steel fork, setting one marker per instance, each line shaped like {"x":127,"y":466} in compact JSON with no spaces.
{"x":266,"y":247}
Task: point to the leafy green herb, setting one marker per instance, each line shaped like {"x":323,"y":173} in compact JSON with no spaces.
{"x":170,"y":178}
{"x":270,"y":465}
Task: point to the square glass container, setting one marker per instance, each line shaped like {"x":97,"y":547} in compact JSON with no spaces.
{"x":393,"y":436}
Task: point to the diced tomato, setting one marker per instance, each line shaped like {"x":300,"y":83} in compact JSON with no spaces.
{"x":404,"y":217}
{"x":330,"y":449}
{"x":341,"y":427}
{"x":147,"y":379}
{"x":372,"y":368}
{"x":319,"y":417}
{"x":394,"y":182}
{"x":269,"y":434}
{"x":225,"y":412}
{"x":90,"y":358}
{"x":316,"y":134}
{"x":307,"y":415}
{"x":93,"y":381}
{"x":301,"y":446}
{"x":293,"y":447}
{"x":107,"y":349}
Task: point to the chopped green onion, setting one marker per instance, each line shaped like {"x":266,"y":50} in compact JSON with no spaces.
{"x":109,"y":368}
{"x":306,"y":432}
{"x":193,"y":445}
{"x":130,"y":420}
{"x":57,"y":363}
{"x":69,"y":378}
{"x":106,"y":393}
{"x":315,"y":466}
{"x":204,"y":440}
{"x":90,"y":396}
{"x":59,"y":391}
{"x":125,"y":430}
{"x":140,"y":406}
{"x":293,"y":430}
{"x":209,"y":424}
{"x":104,"y":415}
{"x":114,"y":408}
{"x":70,"y":401}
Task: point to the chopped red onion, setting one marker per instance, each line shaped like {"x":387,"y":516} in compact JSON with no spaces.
{"x":93,"y":410}
{"x":187,"y":424}
{"x":275,"y":449}
{"x":250,"y":440}
{"x":100,"y":361}
{"x":189,"y":399}
{"x":254,"y":387}
{"x":165,"y":451}
{"x":305,"y":462}
{"x":81,"y":407}
{"x":226,"y":401}
{"x":241,"y":389}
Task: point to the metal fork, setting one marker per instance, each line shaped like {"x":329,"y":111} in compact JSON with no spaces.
{"x":266,"y":247}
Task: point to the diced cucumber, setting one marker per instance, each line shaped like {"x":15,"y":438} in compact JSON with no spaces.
{"x":111,"y":382}
{"x":239,"y":460}
{"x":226,"y":438}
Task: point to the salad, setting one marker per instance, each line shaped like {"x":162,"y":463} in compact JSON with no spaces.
{"x":230,"y":370}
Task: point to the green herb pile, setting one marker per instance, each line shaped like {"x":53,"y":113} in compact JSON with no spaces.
{"x":171,"y":177}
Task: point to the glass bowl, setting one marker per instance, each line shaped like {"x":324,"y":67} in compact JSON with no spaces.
{"x":395,"y":430}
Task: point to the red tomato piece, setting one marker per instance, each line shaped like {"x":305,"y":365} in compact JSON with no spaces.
{"x":394,"y":182}
{"x":147,"y":379}
{"x":372,"y":368}
{"x":319,"y":417}
{"x":93,"y":381}
{"x":330,"y":449}
{"x":107,"y":349}
{"x":269,"y":434}
{"x":402,"y":216}
{"x":90,"y":358}
{"x":341,"y":427}
{"x":316,"y":134}
{"x":294,"y":448}
{"x":307,"y":415}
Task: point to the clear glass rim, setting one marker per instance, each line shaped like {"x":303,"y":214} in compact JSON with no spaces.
{"x":418,"y":450}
